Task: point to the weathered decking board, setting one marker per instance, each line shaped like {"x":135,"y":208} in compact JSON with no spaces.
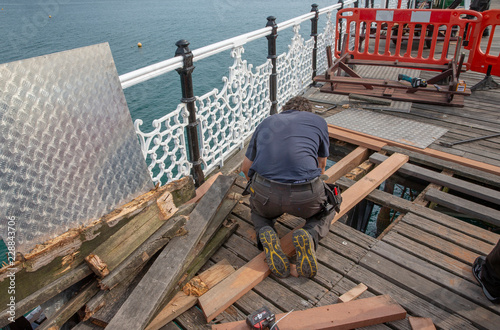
{"x":423,"y":264}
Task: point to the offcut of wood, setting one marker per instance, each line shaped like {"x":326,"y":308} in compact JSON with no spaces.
{"x":421,"y":323}
{"x":349,"y":315}
{"x":353,"y":293}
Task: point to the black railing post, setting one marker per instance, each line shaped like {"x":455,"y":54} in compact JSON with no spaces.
{"x":189,"y":99}
{"x":271,"y":54}
{"x":314,"y":34}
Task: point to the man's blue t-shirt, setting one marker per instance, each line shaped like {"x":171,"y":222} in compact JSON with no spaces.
{"x":285,"y":147}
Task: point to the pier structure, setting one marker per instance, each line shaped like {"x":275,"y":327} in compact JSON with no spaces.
{"x":446,"y":158}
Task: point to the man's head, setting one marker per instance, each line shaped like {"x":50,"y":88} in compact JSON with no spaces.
{"x":298,"y":103}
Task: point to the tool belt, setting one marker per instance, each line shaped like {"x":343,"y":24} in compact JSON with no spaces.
{"x":334,"y":199}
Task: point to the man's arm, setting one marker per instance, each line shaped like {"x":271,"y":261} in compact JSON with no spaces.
{"x":245,"y":166}
{"x":321,"y":164}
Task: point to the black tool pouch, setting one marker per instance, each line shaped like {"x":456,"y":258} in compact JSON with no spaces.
{"x":246,"y":191}
{"x":334,"y":198}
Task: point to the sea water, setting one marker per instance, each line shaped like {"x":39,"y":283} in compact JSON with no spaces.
{"x":30,"y":28}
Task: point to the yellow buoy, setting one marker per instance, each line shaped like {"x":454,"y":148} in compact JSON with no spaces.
{"x":139,"y":45}
{"x":50,"y":16}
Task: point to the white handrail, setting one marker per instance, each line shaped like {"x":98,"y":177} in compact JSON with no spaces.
{"x":154,"y":70}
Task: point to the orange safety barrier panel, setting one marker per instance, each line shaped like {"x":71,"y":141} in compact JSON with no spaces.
{"x":401,"y":28}
{"x":481,"y":56}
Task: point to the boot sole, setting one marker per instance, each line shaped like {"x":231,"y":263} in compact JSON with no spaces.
{"x":275,"y":257}
{"x":307,"y":265}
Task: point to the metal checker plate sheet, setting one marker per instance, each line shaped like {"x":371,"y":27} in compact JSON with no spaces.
{"x":392,"y":128}
{"x":69,"y":152}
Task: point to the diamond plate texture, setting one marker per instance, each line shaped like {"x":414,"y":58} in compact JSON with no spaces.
{"x":392,"y":128}
{"x":69,"y":153}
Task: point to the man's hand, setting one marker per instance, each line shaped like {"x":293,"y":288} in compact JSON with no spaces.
{"x":247,"y":163}
{"x":322,"y":164}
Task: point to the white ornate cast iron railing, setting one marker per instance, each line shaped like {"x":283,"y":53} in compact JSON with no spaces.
{"x":226,"y":118}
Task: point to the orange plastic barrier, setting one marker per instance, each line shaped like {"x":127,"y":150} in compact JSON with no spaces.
{"x":481,"y":57}
{"x":367,"y":27}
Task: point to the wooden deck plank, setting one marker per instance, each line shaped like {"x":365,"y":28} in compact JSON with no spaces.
{"x":353,"y":235}
{"x":434,"y":257}
{"x":412,"y":303}
{"x":405,"y":206}
{"x":468,"y":290}
{"x":449,"y":234}
{"x":430,"y":291}
{"x":436,"y":243}
{"x":364,"y":140}
{"x":346,"y":164}
{"x":349,"y":249}
{"x":440,"y":164}
{"x":462,"y":205}
{"x":462,"y":186}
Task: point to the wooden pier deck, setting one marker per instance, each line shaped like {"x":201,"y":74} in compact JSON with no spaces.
{"x":424,"y":263}
{"x":423,"y":260}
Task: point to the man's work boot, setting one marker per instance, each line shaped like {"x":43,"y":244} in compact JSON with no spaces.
{"x":275,"y":257}
{"x":307,"y":265}
{"x":477,"y":269}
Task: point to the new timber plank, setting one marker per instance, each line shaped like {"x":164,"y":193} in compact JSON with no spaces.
{"x":411,"y":302}
{"x":405,"y":206}
{"x":346,"y":164}
{"x":481,"y":212}
{"x":354,"y":314}
{"x":377,"y":144}
{"x":462,"y":186}
{"x":343,"y":287}
{"x":466,"y":289}
{"x":462,"y":170}
{"x":245,"y":278}
{"x":430,"y":291}
{"x":159,"y":282}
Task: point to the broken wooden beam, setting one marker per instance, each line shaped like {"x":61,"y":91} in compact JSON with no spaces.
{"x":349,"y":315}
{"x":125,"y":273}
{"x":160,"y":281}
{"x":49,"y":261}
{"x":182,"y":302}
{"x":111,"y":301}
{"x":68,"y":310}
{"x":141,"y":255}
{"x":245,"y":278}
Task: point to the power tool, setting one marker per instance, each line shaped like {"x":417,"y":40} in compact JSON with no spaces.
{"x":262,"y":319}
{"x":415,"y":82}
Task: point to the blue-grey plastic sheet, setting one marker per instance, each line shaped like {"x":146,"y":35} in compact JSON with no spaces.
{"x":69,"y":153}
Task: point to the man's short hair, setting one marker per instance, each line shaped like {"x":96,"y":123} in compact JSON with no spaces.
{"x":298,"y":103}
